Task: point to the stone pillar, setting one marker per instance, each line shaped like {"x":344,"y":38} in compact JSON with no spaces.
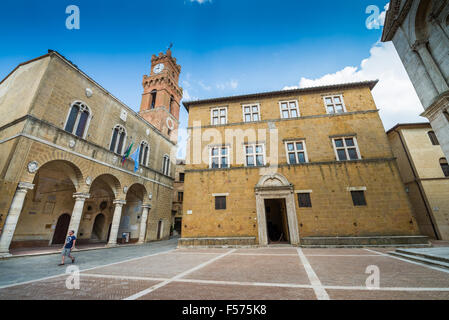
{"x":116,"y":222}
{"x":143,"y":222}
{"x":77,"y":212}
{"x":431,"y":66}
{"x":13,"y":217}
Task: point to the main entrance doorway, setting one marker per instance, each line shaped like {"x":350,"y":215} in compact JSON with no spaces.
{"x":277,"y":222}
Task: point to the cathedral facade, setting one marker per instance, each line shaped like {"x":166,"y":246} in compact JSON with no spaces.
{"x":63,"y":146}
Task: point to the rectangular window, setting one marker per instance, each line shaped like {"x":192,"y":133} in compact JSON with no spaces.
{"x":255,"y":155}
{"x":289,"y":109}
{"x":181,"y":176}
{"x":219,"y":116}
{"x":358,"y":198}
{"x":304,"y":200}
{"x":334,"y":104}
{"x":219,"y":157}
{"x":346,"y":149}
{"x":296,"y":152}
{"x":180,"y":196}
{"x":251,"y":113}
{"x":220,"y":203}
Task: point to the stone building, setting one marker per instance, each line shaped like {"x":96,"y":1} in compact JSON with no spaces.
{"x":62,"y":137}
{"x":419,"y":30}
{"x":307,"y":166}
{"x":425,"y":173}
{"x":178,"y":195}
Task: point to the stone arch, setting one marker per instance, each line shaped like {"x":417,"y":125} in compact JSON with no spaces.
{"x":139,"y":191}
{"x":421,"y":20}
{"x":273,"y":180}
{"x":65,"y":167}
{"x":109,"y":181}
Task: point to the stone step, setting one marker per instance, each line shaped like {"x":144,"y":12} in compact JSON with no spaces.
{"x":416,"y":258}
{"x":424,"y":255}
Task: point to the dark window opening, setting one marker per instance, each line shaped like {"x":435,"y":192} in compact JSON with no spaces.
{"x":220,"y":203}
{"x":433,"y":138}
{"x":304,"y":200}
{"x":444,"y":167}
{"x":153,"y":99}
{"x":181,"y":177}
{"x":180,"y":196}
{"x":358,"y":198}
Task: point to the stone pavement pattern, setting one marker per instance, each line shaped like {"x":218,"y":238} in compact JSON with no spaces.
{"x":159,"y":271}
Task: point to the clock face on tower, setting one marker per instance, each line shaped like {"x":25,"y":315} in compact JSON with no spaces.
{"x":158,"y":68}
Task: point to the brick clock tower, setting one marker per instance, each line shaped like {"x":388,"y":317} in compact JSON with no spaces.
{"x":162,"y":95}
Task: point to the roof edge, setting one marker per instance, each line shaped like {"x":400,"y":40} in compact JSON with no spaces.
{"x":371,"y":84}
{"x":411,"y":124}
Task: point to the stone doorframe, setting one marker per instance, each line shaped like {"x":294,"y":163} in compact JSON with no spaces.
{"x":276,"y":186}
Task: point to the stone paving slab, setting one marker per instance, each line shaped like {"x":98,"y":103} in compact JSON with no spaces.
{"x":350,"y":271}
{"x":90,"y":289}
{"x":195,"y":291}
{"x":278,"y":269}
{"x":165,"y":265}
{"x":387,"y":295}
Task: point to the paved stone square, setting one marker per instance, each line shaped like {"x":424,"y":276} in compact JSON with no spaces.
{"x":159,"y":271}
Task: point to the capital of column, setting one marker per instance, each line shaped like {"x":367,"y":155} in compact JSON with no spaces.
{"x":146,"y":206}
{"x":119,"y":202}
{"x":25,"y":186}
{"x":81,"y":196}
{"x":420,"y":44}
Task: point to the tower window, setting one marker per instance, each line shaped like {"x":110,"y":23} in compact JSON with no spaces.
{"x":170,"y":107}
{"x":144,"y":153}
{"x":153,"y":99}
{"x":118,"y":139}
{"x":433,"y":138}
{"x":78,"y":119}
{"x":444,"y":167}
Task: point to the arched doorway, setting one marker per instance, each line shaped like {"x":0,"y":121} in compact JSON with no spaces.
{"x":61,"y":230}
{"x":276,"y":193}
{"x":131,"y":218}
{"x":97,"y":234}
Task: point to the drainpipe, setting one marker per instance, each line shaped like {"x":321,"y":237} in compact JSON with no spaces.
{"x":421,"y":191}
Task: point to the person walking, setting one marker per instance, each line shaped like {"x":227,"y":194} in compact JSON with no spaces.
{"x":68,"y":247}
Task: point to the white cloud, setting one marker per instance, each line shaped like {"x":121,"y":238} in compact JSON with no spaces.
{"x":394,"y":95}
{"x":233,"y":84}
{"x":205,"y":87}
{"x":201,"y":1}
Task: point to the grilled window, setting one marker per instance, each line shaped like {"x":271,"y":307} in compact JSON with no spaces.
{"x":304,"y":200}
{"x":220,"y":203}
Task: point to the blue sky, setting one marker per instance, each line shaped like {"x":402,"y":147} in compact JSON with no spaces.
{"x":225,"y":47}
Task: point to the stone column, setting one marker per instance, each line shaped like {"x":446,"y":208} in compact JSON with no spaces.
{"x":143,"y":222}
{"x":431,"y":66}
{"x":116,"y":222}
{"x":77,"y":212}
{"x":13,"y":217}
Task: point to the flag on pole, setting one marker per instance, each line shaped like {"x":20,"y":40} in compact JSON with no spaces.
{"x":126,"y":154}
{"x":135,"y":156}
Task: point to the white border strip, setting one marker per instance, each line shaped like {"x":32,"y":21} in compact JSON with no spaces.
{"x":179,"y":276}
{"x":320,"y":292}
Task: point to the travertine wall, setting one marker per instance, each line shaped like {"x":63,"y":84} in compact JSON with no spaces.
{"x":388,"y":210}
